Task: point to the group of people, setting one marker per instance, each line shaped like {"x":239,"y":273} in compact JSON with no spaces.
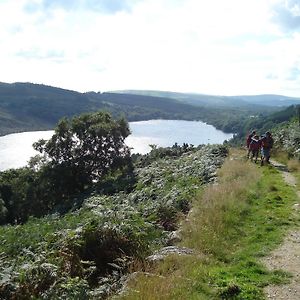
{"x":262,"y":144}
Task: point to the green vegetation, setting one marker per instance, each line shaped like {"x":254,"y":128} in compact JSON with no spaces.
{"x":107,"y":210}
{"x":262,"y":124}
{"x":287,"y":137}
{"x":26,"y":107}
{"x":80,"y":154}
{"x":220,"y":101}
{"x":88,"y":251}
{"x":232,"y":226}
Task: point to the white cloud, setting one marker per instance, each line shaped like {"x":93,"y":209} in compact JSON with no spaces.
{"x":287,"y":14}
{"x":218,"y":47}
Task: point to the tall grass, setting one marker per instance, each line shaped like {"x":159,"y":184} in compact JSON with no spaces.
{"x":232,"y":224}
{"x":217,"y":211}
{"x":292,"y":163}
{"x":280,"y":155}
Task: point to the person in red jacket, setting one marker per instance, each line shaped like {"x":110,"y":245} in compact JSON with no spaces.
{"x":254,"y":147}
{"x":248,"y":141}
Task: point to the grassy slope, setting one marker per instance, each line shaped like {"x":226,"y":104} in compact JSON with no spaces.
{"x":44,"y":256}
{"x":232,"y":225}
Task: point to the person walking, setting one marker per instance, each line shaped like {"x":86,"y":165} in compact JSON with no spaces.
{"x":266,"y":146}
{"x":254,"y":147}
{"x":248,"y":141}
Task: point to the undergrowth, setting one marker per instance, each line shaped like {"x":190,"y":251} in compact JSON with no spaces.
{"x":232,"y":226}
{"x":87,"y":252}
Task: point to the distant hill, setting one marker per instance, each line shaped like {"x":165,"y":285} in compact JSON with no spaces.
{"x":269,"y":100}
{"x":27,"y":106}
{"x":221,"y":101}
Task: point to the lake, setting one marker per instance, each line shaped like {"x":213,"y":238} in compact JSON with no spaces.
{"x":16,"y":149}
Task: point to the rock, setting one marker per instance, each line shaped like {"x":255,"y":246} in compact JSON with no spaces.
{"x":174,"y":237}
{"x":170,"y":250}
{"x":296,"y":206}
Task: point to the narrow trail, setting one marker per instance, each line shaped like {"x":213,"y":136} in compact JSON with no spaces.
{"x":287,"y":256}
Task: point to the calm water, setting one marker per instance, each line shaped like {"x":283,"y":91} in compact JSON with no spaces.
{"x":16,"y":149}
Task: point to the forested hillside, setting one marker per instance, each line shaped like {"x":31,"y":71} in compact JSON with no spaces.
{"x":269,"y":122}
{"x":27,"y":106}
{"x":221,"y":101}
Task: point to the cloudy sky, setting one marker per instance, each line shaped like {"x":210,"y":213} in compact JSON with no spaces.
{"x":215,"y":47}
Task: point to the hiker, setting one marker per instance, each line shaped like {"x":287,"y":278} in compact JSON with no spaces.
{"x":254,"y":147}
{"x":266,"y":146}
{"x":248,"y":141}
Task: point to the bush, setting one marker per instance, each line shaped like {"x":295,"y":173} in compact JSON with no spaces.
{"x":86,"y":148}
{"x":3,"y":212}
{"x":82,"y":151}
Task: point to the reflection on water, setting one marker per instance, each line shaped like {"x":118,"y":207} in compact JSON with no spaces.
{"x":16,"y":149}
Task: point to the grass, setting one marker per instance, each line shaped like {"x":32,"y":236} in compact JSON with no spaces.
{"x":293,"y":164}
{"x":232,"y":226}
{"x":280,"y":155}
{"x":87,"y":251}
{"x":13,"y":239}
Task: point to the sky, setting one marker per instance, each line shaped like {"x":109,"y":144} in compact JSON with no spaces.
{"x":232,"y":47}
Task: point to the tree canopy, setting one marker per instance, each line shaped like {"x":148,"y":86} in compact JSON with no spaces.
{"x":89,"y":146}
{"x":80,"y":153}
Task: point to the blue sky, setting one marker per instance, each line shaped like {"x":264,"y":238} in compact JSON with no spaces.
{"x":215,"y":47}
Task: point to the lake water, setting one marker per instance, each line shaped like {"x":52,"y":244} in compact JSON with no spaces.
{"x":16,"y":149}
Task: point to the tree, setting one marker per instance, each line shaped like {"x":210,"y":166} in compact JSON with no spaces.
{"x":84,"y":149}
{"x":17,"y":194}
{"x":3,"y":212}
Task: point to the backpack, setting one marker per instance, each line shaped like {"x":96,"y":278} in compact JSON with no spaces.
{"x":255,"y":144}
{"x":267,"y":142}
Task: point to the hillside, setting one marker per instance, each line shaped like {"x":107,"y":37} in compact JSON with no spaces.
{"x":287,"y":137}
{"x":269,"y":122}
{"x":221,"y":101}
{"x":133,"y":230}
{"x":27,"y":107}
{"x":89,"y":252}
{"x":231,"y":234}
{"x":86,"y":253}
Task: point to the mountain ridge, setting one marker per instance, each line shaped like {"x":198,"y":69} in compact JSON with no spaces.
{"x":278,"y":100}
{"x":29,"y":106}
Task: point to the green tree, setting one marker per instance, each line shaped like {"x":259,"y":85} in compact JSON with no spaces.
{"x":84,"y":149}
{"x":3,"y":212}
{"x":17,"y":191}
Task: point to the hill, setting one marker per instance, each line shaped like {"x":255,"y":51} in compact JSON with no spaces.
{"x":28,"y":107}
{"x":265,"y":123}
{"x":85,"y":253}
{"x":221,"y":101}
{"x":88,"y":253}
{"x":88,"y":250}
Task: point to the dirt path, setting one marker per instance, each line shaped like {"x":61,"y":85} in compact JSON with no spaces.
{"x":287,"y":256}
